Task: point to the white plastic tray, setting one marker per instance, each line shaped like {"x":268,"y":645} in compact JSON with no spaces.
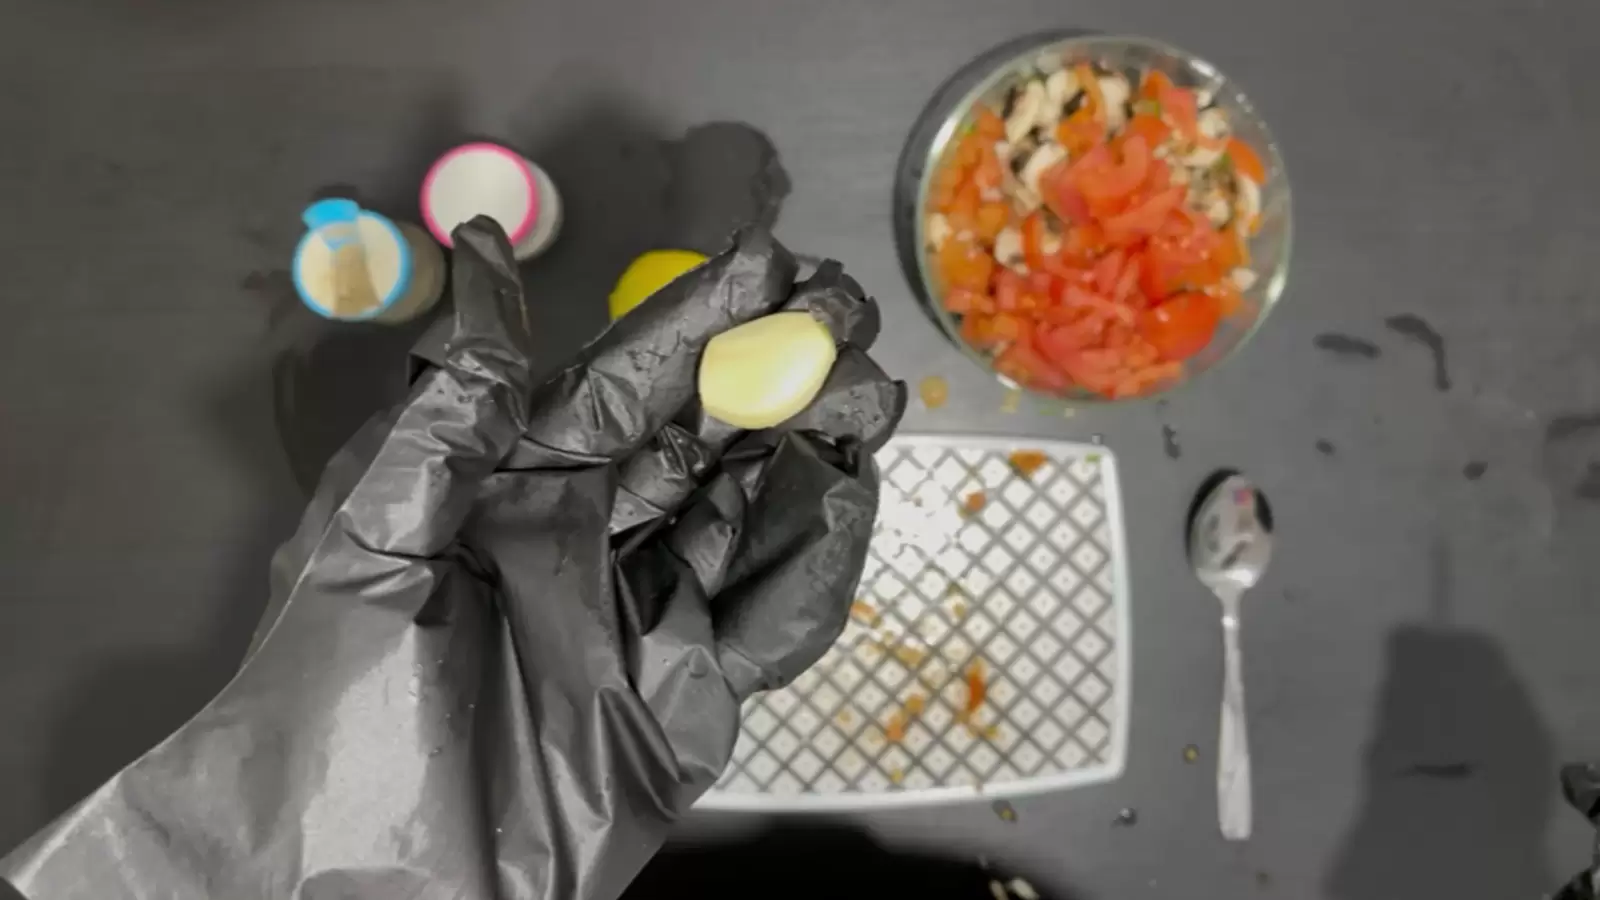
{"x":1032,"y":588}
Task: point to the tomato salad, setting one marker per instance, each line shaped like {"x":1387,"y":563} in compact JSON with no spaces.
{"x":1093,"y":232}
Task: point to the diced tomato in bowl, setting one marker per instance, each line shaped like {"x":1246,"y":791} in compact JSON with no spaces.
{"x":1107,"y":224}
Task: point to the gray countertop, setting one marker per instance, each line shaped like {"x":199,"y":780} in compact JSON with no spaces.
{"x":1418,"y":660}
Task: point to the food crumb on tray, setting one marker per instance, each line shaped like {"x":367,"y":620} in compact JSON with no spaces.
{"x":973,"y":503}
{"x":1027,"y":462}
{"x":865,"y":613}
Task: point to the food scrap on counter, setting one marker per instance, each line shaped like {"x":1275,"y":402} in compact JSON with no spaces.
{"x":935,"y":392}
{"x":1012,"y":401}
{"x":1093,"y":232}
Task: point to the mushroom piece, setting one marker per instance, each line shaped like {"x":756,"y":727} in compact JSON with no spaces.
{"x":1115,"y":90}
{"x":1008,"y":246}
{"x":1218,"y":210}
{"x":938,"y":230}
{"x":1040,"y":162}
{"x":1249,"y":203}
{"x":1029,"y":106}
{"x":1202,"y":157}
{"x":1060,"y":88}
{"x":1243,"y":278}
{"x":1214,"y":124}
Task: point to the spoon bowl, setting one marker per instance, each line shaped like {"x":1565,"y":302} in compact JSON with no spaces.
{"x":1230,"y":533}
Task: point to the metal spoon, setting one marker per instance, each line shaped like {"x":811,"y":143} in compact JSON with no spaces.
{"x":1230,"y":542}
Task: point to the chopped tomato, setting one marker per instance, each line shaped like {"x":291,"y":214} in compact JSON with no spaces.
{"x":970,"y":150}
{"x":1231,"y":253}
{"x":1146,"y":218}
{"x":1097,"y":158}
{"x":1069,"y":336}
{"x":991,"y":220}
{"x":1008,"y":288}
{"x":1182,"y":326}
{"x":962,"y":213}
{"x":1009,"y":327}
{"x":1077,"y":296}
{"x":965,"y":265}
{"x":1108,"y":270}
{"x":1160,"y":177}
{"x":1229,"y":300}
{"x":1083,"y":243}
{"x":1062,"y":197}
{"x":987,"y":173}
{"x":1114,"y":182}
{"x":1081,"y":131}
{"x":989,"y":124}
{"x":1033,"y":234}
{"x":1021,"y":363}
{"x":1246,"y":161}
{"x":1179,"y":106}
{"x":1151,"y":128}
{"x":977,"y":329}
{"x":1128,"y":282}
{"x":1156,"y":83}
{"x":945,"y":185}
{"x":960,"y":300}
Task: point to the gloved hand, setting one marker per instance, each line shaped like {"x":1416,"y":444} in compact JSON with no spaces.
{"x":508,"y":644}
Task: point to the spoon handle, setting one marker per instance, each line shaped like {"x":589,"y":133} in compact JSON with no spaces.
{"x":1233,"y":743}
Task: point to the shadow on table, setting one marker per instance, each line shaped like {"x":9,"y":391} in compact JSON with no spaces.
{"x":817,"y":860}
{"x":1460,"y":775}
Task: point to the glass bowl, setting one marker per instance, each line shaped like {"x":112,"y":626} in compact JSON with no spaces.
{"x":987,"y":80}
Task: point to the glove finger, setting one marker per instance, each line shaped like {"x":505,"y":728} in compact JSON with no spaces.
{"x":777,"y":539}
{"x":639,"y":374}
{"x":792,"y":570}
{"x":837,"y":301}
{"x":858,"y":403}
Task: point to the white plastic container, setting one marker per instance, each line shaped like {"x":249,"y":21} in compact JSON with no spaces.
{"x":406,"y":268}
{"x":488,"y":179}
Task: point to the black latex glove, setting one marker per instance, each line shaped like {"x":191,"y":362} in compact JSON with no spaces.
{"x":509,"y":642}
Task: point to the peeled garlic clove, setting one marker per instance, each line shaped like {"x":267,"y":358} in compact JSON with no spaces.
{"x":765,"y":371}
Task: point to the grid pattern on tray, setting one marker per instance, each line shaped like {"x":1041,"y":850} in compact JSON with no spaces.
{"x":1020,"y":598}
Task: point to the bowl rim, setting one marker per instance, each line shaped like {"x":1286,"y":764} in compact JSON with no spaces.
{"x":1000,"y":63}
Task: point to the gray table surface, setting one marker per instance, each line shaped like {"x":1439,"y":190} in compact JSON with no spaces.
{"x":1419,"y":659}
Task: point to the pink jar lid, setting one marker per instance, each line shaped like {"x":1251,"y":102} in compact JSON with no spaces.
{"x":480,"y":179}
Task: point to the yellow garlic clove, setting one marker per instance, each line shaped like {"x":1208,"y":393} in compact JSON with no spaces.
{"x":765,"y":371}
